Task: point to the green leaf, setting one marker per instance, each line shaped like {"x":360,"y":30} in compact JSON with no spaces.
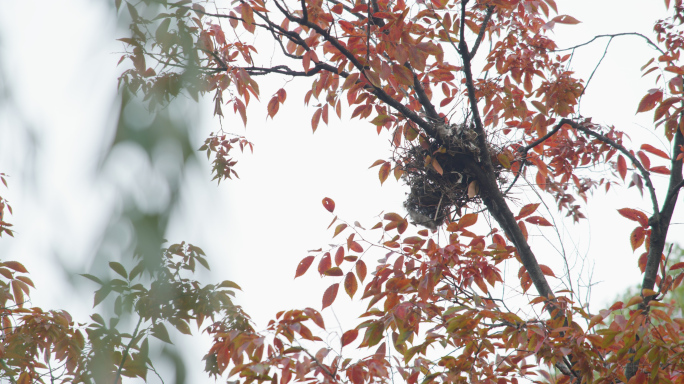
{"x":101,"y":294}
{"x":136,"y":270}
{"x":118,"y":268}
{"x":159,"y":331}
{"x":181,"y":325}
{"x":229,"y":284}
{"x":97,"y":318}
{"x":92,"y":278}
{"x":204,"y":263}
{"x":132,"y":11}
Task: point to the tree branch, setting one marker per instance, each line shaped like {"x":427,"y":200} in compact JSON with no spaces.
{"x":126,"y":351}
{"x":480,"y":34}
{"x":661,"y":223}
{"x":493,"y":198}
{"x":611,"y":36}
{"x":644,"y":173}
{"x":379,"y":93}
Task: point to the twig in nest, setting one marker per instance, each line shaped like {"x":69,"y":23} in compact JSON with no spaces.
{"x":438,"y":205}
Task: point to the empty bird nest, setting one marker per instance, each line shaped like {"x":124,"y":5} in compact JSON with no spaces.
{"x":437,"y":173}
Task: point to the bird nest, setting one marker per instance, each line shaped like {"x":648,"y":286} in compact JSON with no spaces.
{"x":437,"y":173}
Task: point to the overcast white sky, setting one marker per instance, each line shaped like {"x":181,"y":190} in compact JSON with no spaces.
{"x":58,"y":60}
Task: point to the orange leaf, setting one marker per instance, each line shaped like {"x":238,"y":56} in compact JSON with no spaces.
{"x":330,"y":295}
{"x":350,"y":284}
{"x":622,"y":167}
{"x":546,"y":270}
{"x":437,"y":167}
{"x":635,"y":215}
{"x":304,"y":266}
{"x":637,"y":237}
{"x":329,"y":204}
{"x":655,"y":151}
{"x":339,"y":229}
{"x":538,"y":220}
{"x":467,"y":220}
{"x":649,"y":101}
{"x":349,"y":336}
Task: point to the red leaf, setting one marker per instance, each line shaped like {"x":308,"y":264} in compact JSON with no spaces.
{"x":17,"y":266}
{"x":349,"y":336}
{"x":273,"y":106}
{"x":679,"y":265}
{"x":329,"y":204}
{"x":649,"y":101}
{"x":635,"y":215}
{"x":350,"y":284}
{"x":527,"y":210}
{"x":356,"y":247}
{"x":637,"y":237}
{"x":565,"y":19}
{"x":304,"y":266}
{"x":324,"y":264}
{"x":361,"y":270}
{"x":523,"y":228}
{"x":660,"y":169}
{"x":339,"y":256}
{"x":655,"y":151}
{"x":645,"y":161}
{"x":240,"y":107}
{"x":384,"y":172}
{"x":334,"y":271}
{"x":538,"y":220}
{"x":316,"y":118}
{"x":330,"y":295}
{"x":622,"y":167}
{"x":315,"y":316}
{"x":282,"y":95}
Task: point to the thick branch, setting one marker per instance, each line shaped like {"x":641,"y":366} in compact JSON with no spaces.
{"x":661,"y":223}
{"x":480,"y":34}
{"x":493,"y":198}
{"x":430,"y":110}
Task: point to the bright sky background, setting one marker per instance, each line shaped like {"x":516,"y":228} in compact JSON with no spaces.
{"x":58,"y":62}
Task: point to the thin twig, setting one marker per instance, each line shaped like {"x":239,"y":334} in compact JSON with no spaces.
{"x":651,"y":43}
{"x":128,"y":348}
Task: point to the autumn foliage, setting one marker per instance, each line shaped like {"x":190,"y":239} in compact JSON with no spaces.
{"x":476,"y":98}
